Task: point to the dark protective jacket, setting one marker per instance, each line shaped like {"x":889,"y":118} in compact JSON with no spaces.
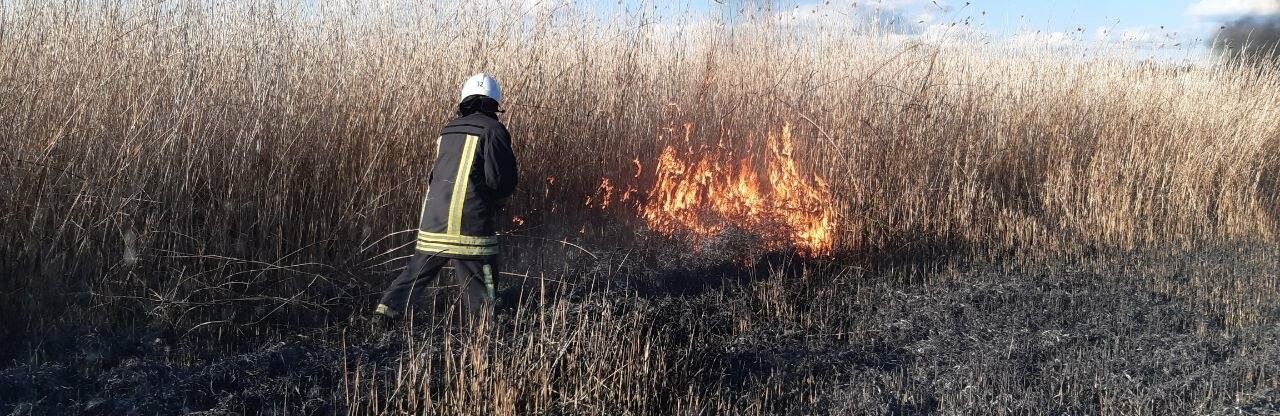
{"x":475,"y":172}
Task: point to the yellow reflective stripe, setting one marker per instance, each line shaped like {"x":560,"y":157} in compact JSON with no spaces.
{"x":488,"y":279}
{"x":459,"y":250}
{"x":457,"y":239}
{"x":460,"y":185}
{"x":456,"y":242}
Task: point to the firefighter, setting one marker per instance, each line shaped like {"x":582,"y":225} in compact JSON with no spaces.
{"x":474,"y":173}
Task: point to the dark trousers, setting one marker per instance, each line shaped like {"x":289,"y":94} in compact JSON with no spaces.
{"x":474,"y":278}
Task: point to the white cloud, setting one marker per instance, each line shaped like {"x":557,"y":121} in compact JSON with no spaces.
{"x":925,"y":18}
{"x":889,"y":15}
{"x":1232,"y":8}
{"x":1139,"y":36}
{"x":889,"y":4}
{"x":955,"y":32}
{"x":1044,"y":40}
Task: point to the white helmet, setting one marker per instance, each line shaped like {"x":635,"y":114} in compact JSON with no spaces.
{"x":481,"y":84}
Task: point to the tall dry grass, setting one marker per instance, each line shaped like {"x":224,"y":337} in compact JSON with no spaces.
{"x":230,"y":170}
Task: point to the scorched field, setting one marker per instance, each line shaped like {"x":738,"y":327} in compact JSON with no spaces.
{"x":200,"y":202}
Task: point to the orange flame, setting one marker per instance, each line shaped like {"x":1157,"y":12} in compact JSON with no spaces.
{"x":702,"y":195}
{"x":605,"y":191}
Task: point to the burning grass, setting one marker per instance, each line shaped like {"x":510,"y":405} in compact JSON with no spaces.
{"x":219,"y":179}
{"x":699,"y":190}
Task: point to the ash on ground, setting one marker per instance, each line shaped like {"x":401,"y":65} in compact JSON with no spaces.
{"x":1134,"y":333}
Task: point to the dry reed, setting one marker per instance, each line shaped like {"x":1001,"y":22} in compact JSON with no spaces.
{"x":174,"y":162}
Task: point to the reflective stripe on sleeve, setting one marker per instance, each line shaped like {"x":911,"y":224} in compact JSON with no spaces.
{"x":488,"y":279}
{"x":460,"y":184}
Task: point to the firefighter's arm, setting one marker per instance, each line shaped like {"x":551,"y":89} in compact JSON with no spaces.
{"x":500,"y":164}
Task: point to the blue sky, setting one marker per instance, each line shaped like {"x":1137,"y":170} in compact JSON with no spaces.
{"x":1145,"y":24}
{"x":1054,"y":15}
{"x":1157,"y":23}
{"x":1152,"y":24}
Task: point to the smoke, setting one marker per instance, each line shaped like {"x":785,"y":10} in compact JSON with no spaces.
{"x":1251,"y":37}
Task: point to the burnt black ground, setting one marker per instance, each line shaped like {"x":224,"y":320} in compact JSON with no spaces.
{"x":1119,"y":333}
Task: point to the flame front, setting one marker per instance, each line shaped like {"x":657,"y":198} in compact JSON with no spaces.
{"x":702,"y":194}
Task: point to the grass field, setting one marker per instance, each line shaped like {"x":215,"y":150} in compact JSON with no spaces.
{"x":200,"y":203}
